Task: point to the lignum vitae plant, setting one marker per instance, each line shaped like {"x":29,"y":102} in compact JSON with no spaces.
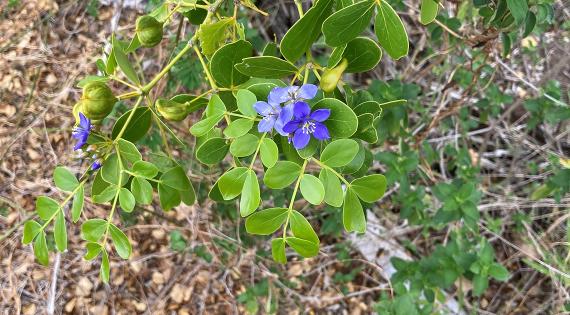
{"x":278,"y":110}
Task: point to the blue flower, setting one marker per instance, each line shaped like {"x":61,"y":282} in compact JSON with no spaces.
{"x":292,"y":94}
{"x":81,"y":131}
{"x":273,"y":117}
{"x":306,"y":124}
{"x":96,"y":165}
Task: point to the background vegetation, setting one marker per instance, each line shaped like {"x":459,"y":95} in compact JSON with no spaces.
{"x":475,"y":219}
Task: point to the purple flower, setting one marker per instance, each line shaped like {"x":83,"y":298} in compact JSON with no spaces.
{"x":81,"y":131}
{"x":96,"y":165}
{"x":292,"y":94}
{"x":307,"y":123}
{"x":273,"y":117}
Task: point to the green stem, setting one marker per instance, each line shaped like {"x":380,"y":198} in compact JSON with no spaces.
{"x":322,"y":165}
{"x":139,"y":100}
{"x":293,"y":197}
{"x":241,"y":116}
{"x":164,"y":71}
{"x":257,"y":150}
{"x":114,"y":206}
{"x":64,"y":202}
{"x":206,"y":71}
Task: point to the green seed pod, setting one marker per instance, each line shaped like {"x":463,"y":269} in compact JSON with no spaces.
{"x":97,"y":100}
{"x":330,"y":77}
{"x":171,"y":110}
{"x":149,"y":31}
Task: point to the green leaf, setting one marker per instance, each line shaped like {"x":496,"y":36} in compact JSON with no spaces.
{"x":105,"y":270}
{"x":64,"y":179}
{"x":111,"y":171}
{"x":268,"y":152}
{"x":145,"y":169}
{"x":168,"y":196}
{"x":312,"y":189}
{"x":205,"y":125}
{"x":529,"y":24}
{"x":128,"y":151}
{"x":93,"y":229}
{"x":121,"y":242}
{"x":352,"y":213}
{"x":60,"y":232}
{"x":244,"y":145}
{"x":138,"y":126}
{"x":266,"y":221}
{"x":238,"y":127}
{"x":213,"y":151}
{"x":126,"y":200}
{"x":31,"y":230}
{"x":213,"y":35}
{"x":428,"y":11}
{"x":215,"y":106}
{"x":366,"y":129}
{"x":266,"y":67}
{"x":278,"y":250}
{"x":123,"y":62}
{"x":41,"y":249}
{"x":347,"y":23}
{"x":250,"y":198}
{"x":106,"y":195}
{"x":93,"y":250}
{"x":339,"y":152}
{"x":362,"y":54}
{"x":342,"y":122}
{"x":223,"y":62}
{"x":498,"y":272}
{"x":231,"y":183}
{"x":77,"y":206}
{"x":519,"y":9}
{"x":480,"y":284}
{"x":282,"y":174}
{"x":333,"y":189}
{"x":336,"y":56}
{"x":175,"y":178}
{"x":188,"y":196}
{"x":300,"y":37}
{"x":303,"y":247}
{"x":245,"y":101}
{"x":46,"y":207}
{"x":369,"y":188}
{"x":391,"y":32}
{"x":141,"y":190}
{"x":302,"y":229}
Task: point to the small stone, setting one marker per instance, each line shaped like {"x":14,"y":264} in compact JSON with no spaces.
{"x":84,"y":287}
{"x":139,"y":306}
{"x":157,"y":278}
{"x":177,"y":293}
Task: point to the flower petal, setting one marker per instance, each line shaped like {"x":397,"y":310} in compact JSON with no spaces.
{"x":321,"y":132}
{"x":262,"y":108}
{"x":321,"y":114}
{"x":301,"y":110}
{"x":96,"y":165}
{"x":286,"y":114}
{"x":279,"y":95}
{"x":266,"y":124}
{"x":300,"y":139}
{"x":307,"y":91}
{"x":292,"y":126}
{"x":279,"y":127}
{"x":84,"y":122}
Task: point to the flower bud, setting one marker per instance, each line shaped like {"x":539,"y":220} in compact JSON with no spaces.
{"x":149,"y":31}
{"x":171,"y":110}
{"x":330,"y":77}
{"x":97,"y":100}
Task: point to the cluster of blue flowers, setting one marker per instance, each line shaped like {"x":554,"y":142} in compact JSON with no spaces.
{"x":81,"y":134}
{"x":295,"y":119}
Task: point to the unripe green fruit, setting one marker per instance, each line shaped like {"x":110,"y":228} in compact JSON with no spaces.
{"x":97,"y":100}
{"x":330,"y":77}
{"x":171,"y":110}
{"x":149,"y":31}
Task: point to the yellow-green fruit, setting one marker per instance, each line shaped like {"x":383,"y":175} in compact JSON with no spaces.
{"x":77,"y":108}
{"x":97,"y":100}
{"x":171,"y":110}
{"x":330,"y":77}
{"x":149,"y":31}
